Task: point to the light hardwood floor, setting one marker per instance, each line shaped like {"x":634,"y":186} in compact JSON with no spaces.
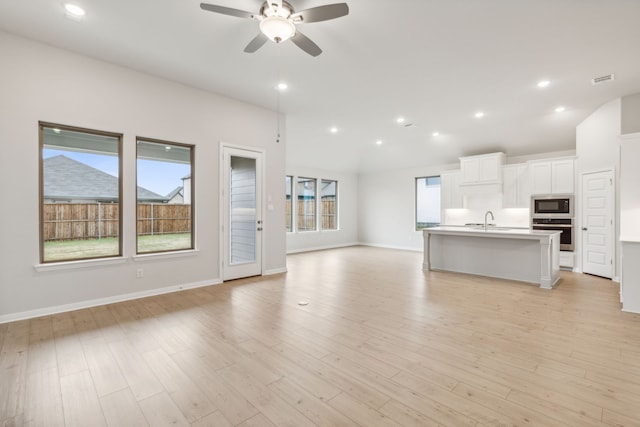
{"x":381,"y":343}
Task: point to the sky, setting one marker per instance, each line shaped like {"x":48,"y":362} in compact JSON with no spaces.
{"x":159,"y":177}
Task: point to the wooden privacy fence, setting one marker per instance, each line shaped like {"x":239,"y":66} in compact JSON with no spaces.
{"x":81,"y":221}
{"x":163,"y":219}
{"x":306,"y":215}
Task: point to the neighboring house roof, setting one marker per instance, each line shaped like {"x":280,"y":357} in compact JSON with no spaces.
{"x":65,"y":178}
{"x":176,"y":191}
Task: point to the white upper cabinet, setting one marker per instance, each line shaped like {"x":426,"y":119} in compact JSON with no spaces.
{"x":562,"y":177}
{"x":450,"y":195}
{"x":554,"y":176}
{"x":515,"y":181}
{"x":482,"y":169}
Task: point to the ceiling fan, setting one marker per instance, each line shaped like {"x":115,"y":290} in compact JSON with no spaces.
{"x":278,"y":21}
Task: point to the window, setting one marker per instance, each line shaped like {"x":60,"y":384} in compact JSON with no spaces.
{"x":427,"y":202}
{"x":165,"y":190}
{"x":329,"y":204}
{"x":80,"y":193}
{"x":289,"y":201}
{"x":306,"y":209}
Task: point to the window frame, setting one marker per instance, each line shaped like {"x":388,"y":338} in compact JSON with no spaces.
{"x":192,"y":154}
{"x":41,"y":196}
{"x":315,"y":204}
{"x":415,"y":201}
{"x":336,"y":206}
{"x":290,"y":212}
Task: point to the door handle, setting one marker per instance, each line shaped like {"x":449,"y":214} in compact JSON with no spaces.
{"x":584,"y":228}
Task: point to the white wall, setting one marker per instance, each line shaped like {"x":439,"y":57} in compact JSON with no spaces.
{"x":630,"y":120}
{"x":629,"y":189}
{"x":597,"y":138}
{"x":347,"y":234}
{"x":598,"y":149}
{"x":38,"y":82}
{"x":387,"y":207}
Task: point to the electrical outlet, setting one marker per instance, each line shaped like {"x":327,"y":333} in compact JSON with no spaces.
{"x":139,"y":273}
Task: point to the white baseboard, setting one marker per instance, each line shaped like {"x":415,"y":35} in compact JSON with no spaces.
{"x":401,"y":248}
{"x":30,"y":314}
{"x":274,"y":271}
{"x":321,"y":248}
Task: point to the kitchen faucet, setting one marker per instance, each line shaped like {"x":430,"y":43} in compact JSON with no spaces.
{"x":485,"y":219}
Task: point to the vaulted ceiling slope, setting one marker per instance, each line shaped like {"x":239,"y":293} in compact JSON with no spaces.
{"x":433,"y":62}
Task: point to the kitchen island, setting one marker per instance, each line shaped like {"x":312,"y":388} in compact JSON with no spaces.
{"x":507,"y":253}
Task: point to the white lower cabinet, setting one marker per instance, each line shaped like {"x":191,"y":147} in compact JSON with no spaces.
{"x":566,"y":259}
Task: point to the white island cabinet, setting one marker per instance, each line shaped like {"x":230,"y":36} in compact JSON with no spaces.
{"x":515,"y":254}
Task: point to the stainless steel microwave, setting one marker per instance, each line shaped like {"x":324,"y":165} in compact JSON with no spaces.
{"x":552,"y":206}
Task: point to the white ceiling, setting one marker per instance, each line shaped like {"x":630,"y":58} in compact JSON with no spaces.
{"x":434,"y":62}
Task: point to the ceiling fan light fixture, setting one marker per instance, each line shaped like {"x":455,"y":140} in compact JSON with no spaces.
{"x":277,"y":29}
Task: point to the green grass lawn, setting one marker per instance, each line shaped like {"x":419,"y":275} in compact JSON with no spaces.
{"x":96,"y":248}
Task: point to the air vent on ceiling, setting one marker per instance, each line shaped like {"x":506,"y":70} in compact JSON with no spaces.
{"x":602,"y":79}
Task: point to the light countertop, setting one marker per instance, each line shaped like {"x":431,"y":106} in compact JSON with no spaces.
{"x":493,"y":232}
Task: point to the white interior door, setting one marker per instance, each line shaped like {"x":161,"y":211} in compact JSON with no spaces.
{"x":242,"y":213}
{"x":597,"y":223}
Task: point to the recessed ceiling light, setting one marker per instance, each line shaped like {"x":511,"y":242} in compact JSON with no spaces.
{"x":560,"y":109}
{"x":400,"y":120}
{"x":74,"y":10}
{"x":333,"y":130}
{"x":436,"y":134}
{"x":56,"y":130}
{"x":379,"y":142}
{"x":479,"y":114}
{"x":282,"y":86}
{"x":167,"y":148}
{"x":543,"y":83}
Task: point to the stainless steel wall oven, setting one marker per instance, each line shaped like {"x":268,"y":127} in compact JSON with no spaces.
{"x":555,"y":212}
{"x":565,"y":225}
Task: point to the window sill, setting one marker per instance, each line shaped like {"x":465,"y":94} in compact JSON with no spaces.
{"x":165,"y":255}
{"x":85,"y":263}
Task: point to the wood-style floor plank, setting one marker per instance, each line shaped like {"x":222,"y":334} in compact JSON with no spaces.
{"x":193,"y":403}
{"x":122,"y":409}
{"x":43,"y":402}
{"x":380,"y":343}
{"x":106,"y":373}
{"x":141,"y":380}
{"x":160,"y":410}
{"x":80,"y":401}
{"x":13,"y":369}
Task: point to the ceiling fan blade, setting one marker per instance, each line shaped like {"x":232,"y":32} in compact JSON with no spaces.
{"x":257,"y":42}
{"x":321,"y":13}
{"x":227,"y":11}
{"x":305,"y":43}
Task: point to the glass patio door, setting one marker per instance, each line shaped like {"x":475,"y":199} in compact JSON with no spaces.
{"x":242,"y":213}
